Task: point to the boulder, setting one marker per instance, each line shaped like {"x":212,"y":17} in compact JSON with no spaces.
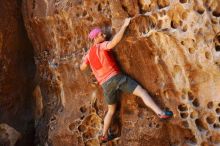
{"x":8,"y":135}
{"x":170,"y":47}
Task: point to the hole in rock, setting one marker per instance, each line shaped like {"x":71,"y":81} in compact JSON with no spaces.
{"x":124,"y":8}
{"x":208,"y":55}
{"x":182,"y":42}
{"x":77,"y":15}
{"x":89,"y":19}
{"x":210,"y":105}
{"x":93,"y":110}
{"x":83,"y":109}
{"x":201,"y":10}
{"x":182,"y":107}
{"x":82,"y":128}
{"x":157,"y":125}
{"x":84,"y":13}
{"x":150,"y":125}
{"x":185,"y":27}
{"x":201,"y":125}
{"x":190,"y":96}
{"x":183,"y":1}
{"x":217,"y":47}
{"x":181,"y":22}
{"x":214,"y":21}
{"x":99,"y":7}
{"x":173,"y":24}
{"x":86,"y":135}
{"x":191,"y":50}
{"x":53,"y":119}
{"x":218,"y":38}
{"x":82,"y":117}
{"x":193,"y":139}
{"x":210,"y":119}
{"x":216,"y":125}
{"x":193,"y":115}
{"x":216,"y":13}
{"x":218,"y":110}
{"x":184,"y":115}
{"x":217,"y":42}
{"x":196,"y":102}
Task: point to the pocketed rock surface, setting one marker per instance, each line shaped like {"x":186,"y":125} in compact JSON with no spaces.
{"x":171,"y":47}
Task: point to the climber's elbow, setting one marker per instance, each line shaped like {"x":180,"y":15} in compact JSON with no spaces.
{"x":83,"y":66}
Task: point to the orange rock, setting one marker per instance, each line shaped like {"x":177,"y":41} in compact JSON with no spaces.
{"x":170,"y":47}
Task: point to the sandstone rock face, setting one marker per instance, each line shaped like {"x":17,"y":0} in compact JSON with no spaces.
{"x":17,"y":71}
{"x":170,"y":47}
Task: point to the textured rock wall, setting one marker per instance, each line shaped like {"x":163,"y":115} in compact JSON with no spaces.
{"x":170,"y":47}
{"x":17,"y":72}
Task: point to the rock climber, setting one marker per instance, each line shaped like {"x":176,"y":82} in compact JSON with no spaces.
{"x":109,"y":76}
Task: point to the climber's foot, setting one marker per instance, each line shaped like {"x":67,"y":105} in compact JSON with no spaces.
{"x":110,"y":137}
{"x":166,"y":115}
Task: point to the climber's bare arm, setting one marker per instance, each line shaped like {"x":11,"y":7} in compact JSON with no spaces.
{"x":116,"y":39}
{"x":83,"y":66}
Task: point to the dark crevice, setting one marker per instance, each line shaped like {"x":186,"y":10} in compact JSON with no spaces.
{"x":33,"y":4}
{"x":141,"y":11}
{"x":126,"y":10}
{"x":183,"y":1}
{"x":216,"y":13}
{"x":217,"y":48}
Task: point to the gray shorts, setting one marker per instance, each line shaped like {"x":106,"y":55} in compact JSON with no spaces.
{"x":115,"y":83}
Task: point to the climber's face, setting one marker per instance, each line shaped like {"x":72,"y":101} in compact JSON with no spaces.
{"x":100,"y":38}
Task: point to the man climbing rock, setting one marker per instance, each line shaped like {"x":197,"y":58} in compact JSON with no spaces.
{"x":111,"y":79}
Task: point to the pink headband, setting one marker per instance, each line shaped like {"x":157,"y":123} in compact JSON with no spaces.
{"x":94,"y":33}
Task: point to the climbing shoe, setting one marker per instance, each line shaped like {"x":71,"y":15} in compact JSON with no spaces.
{"x":110,"y":137}
{"x":166,"y":115}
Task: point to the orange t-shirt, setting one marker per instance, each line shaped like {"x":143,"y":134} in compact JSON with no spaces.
{"x":101,"y":62}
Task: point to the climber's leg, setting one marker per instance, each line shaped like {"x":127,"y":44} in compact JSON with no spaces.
{"x":108,"y":118}
{"x":127,"y":84}
{"x":111,"y":98}
{"x":139,"y":91}
{"x":142,"y":93}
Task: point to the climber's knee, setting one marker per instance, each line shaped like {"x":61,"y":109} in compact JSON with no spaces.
{"x":139,"y":91}
{"x":111,"y":109}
